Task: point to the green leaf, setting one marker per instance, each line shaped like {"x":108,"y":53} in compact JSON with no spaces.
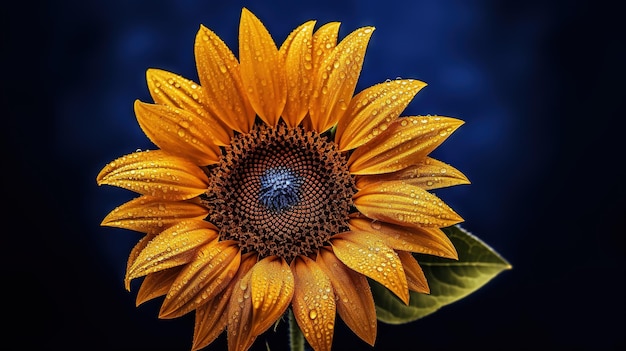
{"x":449,"y":280}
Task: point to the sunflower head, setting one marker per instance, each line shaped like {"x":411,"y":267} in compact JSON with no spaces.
{"x":274,"y":186}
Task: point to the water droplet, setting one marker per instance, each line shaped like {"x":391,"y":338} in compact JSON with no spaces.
{"x":313,"y":314}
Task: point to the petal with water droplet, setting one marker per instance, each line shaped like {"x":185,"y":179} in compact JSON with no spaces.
{"x":355,"y":303}
{"x":155,"y":173}
{"x":427,"y":174}
{"x":371,"y":111}
{"x":406,"y":141}
{"x":170,"y":89}
{"x":296,"y":52}
{"x":430,"y":241}
{"x":271,"y":292}
{"x":175,"y":246}
{"x":369,"y":255}
{"x":414,"y":275}
{"x":132,"y":257}
{"x":149,"y":214}
{"x":212,"y":317}
{"x":313,"y":303}
{"x":179,"y":132}
{"x":220,"y":79}
{"x":156,"y":284}
{"x":404,"y":204}
{"x":324,"y":41}
{"x":336,"y":79}
{"x":239,"y":327}
{"x":262,"y":69}
{"x":207,"y":274}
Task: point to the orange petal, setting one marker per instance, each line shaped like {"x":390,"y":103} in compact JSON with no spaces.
{"x":210,"y":321}
{"x":156,"y":284}
{"x":179,"y":132}
{"x":169,"y":89}
{"x":427,"y":174}
{"x":431,"y":241}
{"x":324,"y":41}
{"x":296,"y":51}
{"x":406,"y":141}
{"x":239,"y":327}
{"x":313,"y":303}
{"x":211,"y":318}
{"x":207,"y":274}
{"x":336,"y":79}
{"x":132,"y":257}
{"x":414,"y":275}
{"x":149,"y":214}
{"x":355,"y":302}
{"x":262,"y":69}
{"x":371,"y":111}
{"x":369,"y":255}
{"x":220,"y":78}
{"x":405,"y":204}
{"x":272,"y":287}
{"x":173,"y":247}
{"x":155,"y":173}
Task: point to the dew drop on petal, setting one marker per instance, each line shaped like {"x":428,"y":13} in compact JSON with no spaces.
{"x":375,"y":225}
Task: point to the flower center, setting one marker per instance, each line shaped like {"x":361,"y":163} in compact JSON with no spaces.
{"x":279,"y":188}
{"x":280,"y":191}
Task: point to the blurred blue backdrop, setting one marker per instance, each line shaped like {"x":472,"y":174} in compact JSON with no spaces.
{"x":539,"y":85}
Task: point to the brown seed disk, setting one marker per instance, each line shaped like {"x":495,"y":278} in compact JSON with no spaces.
{"x":317,"y":205}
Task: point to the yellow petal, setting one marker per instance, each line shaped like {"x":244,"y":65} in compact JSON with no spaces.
{"x":371,"y":111}
{"x":156,"y":284}
{"x":149,"y":214}
{"x":212,"y":317}
{"x":324,"y":41}
{"x":210,"y":321}
{"x":173,"y":247}
{"x":272,"y":287}
{"x":169,"y":89}
{"x":179,"y":132}
{"x":406,"y":141}
{"x":414,"y":275}
{"x":296,"y":51}
{"x":313,"y":303}
{"x":262,"y":69}
{"x":427,"y":174}
{"x":355,"y":302}
{"x":431,"y":241}
{"x":369,"y":255}
{"x":206,"y":275}
{"x":220,"y":79}
{"x":336,"y":79}
{"x":239,"y":327}
{"x":132,"y":257}
{"x":404,"y":204}
{"x":155,"y":173}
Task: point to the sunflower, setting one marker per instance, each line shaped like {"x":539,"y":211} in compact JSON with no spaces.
{"x":273,"y":186}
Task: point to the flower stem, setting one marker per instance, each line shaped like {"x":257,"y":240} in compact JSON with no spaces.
{"x":296,"y":339}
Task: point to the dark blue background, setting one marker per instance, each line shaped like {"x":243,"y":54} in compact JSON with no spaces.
{"x":539,"y":84}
